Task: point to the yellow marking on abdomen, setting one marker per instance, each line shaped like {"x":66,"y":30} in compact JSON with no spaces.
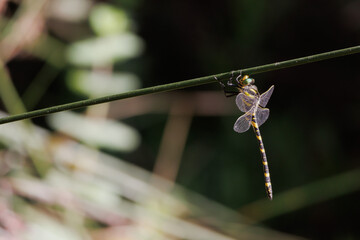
{"x":264,"y":161}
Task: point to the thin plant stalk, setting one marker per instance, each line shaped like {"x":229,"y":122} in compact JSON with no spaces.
{"x":183,"y":84}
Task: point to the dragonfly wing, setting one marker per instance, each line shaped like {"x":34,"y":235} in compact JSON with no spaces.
{"x":244,"y":102}
{"x":262,"y":115}
{"x":264,"y":98}
{"x":242,"y":124}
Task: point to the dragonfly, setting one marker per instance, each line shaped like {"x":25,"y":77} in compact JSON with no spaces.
{"x":253,"y":105}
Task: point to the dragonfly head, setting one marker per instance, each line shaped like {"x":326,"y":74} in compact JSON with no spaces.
{"x":246,"y":80}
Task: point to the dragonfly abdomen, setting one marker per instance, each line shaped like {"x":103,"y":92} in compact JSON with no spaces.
{"x":267,"y":179}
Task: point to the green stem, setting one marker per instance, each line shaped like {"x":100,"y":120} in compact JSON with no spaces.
{"x":182,"y":84}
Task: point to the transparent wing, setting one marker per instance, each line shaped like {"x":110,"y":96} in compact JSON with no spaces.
{"x":242,"y":124}
{"x":262,"y":115}
{"x":264,"y":98}
{"x":244,"y":102}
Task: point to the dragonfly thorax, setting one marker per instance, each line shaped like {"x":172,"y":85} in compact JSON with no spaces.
{"x":250,"y":91}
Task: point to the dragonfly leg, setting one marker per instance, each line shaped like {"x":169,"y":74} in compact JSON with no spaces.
{"x":229,"y":83}
{"x":227,"y":93}
{"x":238,"y":77}
{"x":221,"y":83}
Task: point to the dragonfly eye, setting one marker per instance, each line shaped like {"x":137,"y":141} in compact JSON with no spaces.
{"x":246,"y":80}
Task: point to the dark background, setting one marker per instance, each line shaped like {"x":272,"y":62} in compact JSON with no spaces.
{"x":312,"y":132}
{"x":313,"y":129}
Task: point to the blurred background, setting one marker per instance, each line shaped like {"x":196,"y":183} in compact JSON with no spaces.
{"x":169,"y":165}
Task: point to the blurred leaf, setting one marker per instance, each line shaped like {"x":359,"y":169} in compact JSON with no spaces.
{"x":69,"y":10}
{"x":97,"y":84}
{"x":96,"y":132}
{"x":103,"y":51}
{"x":108,"y":20}
{"x":43,"y":227}
{"x":96,"y":190}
